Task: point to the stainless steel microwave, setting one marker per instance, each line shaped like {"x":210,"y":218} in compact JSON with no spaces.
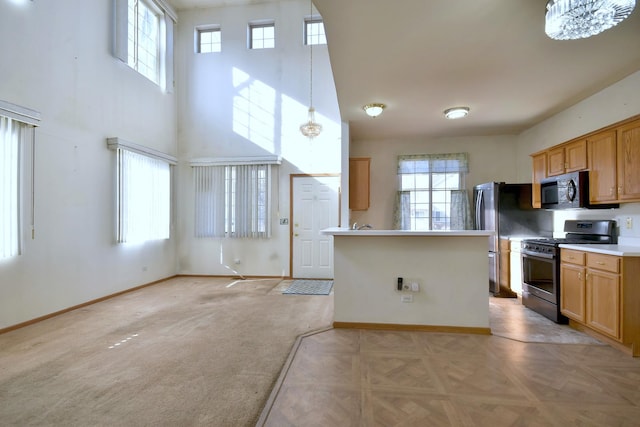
{"x":568,"y":191}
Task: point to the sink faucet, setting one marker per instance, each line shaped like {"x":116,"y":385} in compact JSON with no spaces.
{"x":355,"y":226}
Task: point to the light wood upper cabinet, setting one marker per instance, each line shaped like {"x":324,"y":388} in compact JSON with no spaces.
{"x":628,"y":156}
{"x":614,"y":164}
{"x":359,"y":178}
{"x":555,"y":159}
{"x":568,"y":157}
{"x":575,"y":154}
{"x":602,"y":167}
{"x":539,"y":173}
{"x":611,"y":155}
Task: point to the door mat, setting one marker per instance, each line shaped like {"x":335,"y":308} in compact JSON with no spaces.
{"x":309,"y":287}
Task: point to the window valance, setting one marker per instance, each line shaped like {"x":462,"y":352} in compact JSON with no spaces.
{"x":234,"y":161}
{"x":115,"y":143}
{"x":427,"y":163}
{"x":22,"y":114}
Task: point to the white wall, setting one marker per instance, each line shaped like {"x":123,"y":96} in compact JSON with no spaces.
{"x":490,"y":159}
{"x":213,"y":90}
{"x":613,"y":104}
{"x":56,"y":60}
{"x":451,"y":293}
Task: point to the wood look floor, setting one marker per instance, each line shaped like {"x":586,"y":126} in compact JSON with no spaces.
{"x":530,"y":372}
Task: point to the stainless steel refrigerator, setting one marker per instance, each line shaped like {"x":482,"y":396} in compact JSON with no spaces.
{"x":507,"y":210}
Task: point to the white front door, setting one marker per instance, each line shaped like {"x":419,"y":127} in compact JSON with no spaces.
{"x":315,"y":205}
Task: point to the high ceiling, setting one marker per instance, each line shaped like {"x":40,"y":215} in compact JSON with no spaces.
{"x":420,"y":57}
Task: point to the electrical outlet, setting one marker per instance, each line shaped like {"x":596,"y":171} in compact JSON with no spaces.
{"x":415,"y":287}
{"x":629,"y":223}
{"x":406,"y":298}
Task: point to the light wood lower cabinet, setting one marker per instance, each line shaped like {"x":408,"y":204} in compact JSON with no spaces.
{"x":603,"y":302}
{"x":600,"y":293}
{"x":572,"y":291}
{"x":505,"y":269}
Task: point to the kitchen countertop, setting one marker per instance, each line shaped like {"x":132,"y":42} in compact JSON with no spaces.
{"x":343,"y":231}
{"x":619,"y":250}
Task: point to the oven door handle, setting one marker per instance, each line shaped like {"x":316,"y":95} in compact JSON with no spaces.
{"x":536,"y":254}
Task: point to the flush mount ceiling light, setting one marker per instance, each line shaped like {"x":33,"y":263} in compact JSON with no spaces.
{"x":579,"y":19}
{"x":456,"y":112}
{"x":374,"y":110}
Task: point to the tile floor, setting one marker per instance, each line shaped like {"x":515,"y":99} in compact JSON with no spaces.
{"x":530,"y":372}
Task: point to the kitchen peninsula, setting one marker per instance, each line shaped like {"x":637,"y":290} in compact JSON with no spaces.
{"x":449,"y":269}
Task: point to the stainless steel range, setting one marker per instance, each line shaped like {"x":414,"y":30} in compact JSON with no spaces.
{"x":541,"y":263}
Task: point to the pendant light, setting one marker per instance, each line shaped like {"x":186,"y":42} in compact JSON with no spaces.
{"x":311,"y":128}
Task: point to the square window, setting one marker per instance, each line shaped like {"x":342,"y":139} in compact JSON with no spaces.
{"x":262,"y":36}
{"x":314,"y":31}
{"x":209,"y":40}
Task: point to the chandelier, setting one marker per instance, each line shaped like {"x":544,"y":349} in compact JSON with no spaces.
{"x":578,"y":19}
{"x":311,"y":128}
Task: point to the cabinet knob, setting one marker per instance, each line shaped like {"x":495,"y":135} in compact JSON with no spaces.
{"x":599,"y":262}
{"x":579,"y":275}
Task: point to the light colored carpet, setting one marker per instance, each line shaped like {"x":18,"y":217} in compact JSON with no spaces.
{"x":189,"y":351}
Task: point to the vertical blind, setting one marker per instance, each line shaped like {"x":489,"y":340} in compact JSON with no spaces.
{"x":233,"y":201}
{"x":10,"y":135}
{"x":144,"y":197}
{"x":210,"y":201}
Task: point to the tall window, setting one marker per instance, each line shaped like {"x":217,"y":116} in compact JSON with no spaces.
{"x":17,"y":126}
{"x":233,"y":201}
{"x":143,"y":193}
{"x":9,"y":187}
{"x":262,"y":36}
{"x":209,"y":40}
{"x":144,"y":39}
{"x":425,"y":186}
{"x":314,"y":31}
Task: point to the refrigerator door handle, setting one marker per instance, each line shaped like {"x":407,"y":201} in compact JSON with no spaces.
{"x":479,"y":200}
